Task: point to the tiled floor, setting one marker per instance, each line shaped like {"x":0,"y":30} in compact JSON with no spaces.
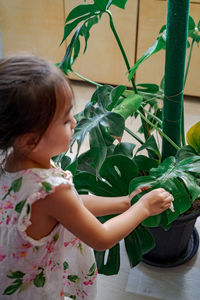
{"x":114,"y":287}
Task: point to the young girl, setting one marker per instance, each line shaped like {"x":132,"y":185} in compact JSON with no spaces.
{"x":47,"y":231}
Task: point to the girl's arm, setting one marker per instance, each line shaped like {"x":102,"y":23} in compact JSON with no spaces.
{"x":102,"y":206}
{"x":64,"y":206}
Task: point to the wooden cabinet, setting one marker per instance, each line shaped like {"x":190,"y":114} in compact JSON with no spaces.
{"x":103,"y":61}
{"x":152,"y":16}
{"x":32,"y":26}
{"x":37,"y":26}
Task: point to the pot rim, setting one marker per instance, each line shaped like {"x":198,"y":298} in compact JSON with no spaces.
{"x":193,"y":215}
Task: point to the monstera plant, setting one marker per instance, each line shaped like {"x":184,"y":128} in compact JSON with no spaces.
{"x":109,"y":167}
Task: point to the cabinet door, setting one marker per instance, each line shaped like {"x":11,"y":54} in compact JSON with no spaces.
{"x":152,"y":16}
{"x":192,"y":86}
{"x":103,"y":61}
{"x":32,"y":26}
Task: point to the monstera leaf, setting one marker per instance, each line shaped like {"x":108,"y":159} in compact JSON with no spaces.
{"x":114,"y":177}
{"x":177,"y":177}
{"x":81,"y":19}
{"x":193,"y":136}
{"x":159,"y":44}
{"x":100,"y":125}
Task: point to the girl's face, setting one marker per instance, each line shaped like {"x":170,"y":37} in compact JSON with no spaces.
{"x":58,"y":135}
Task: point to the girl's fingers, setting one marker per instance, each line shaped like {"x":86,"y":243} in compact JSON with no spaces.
{"x":145,"y":188}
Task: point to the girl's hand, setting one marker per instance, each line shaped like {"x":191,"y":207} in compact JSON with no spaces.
{"x":156,"y":201}
{"x":142,"y":189}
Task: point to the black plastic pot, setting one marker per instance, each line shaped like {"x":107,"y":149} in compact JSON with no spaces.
{"x":175,"y":246}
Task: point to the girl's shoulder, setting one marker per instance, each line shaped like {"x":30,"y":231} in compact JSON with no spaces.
{"x":37,"y":175}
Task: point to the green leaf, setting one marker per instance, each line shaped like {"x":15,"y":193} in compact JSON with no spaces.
{"x":148,"y":87}
{"x":159,"y":44}
{"x":116,"y":93}
{"x":141,"y":181}
{"x":116,"y":171}
{"x":65,"y":265}
{"x":102,"y":96}
{"x":151,"y":146}
{"x":12,"y":289}
{"x":16,"y":185}
{"x":145,"y":237}
{"x":111,"y":267}
{"x":19,"y":206}
{"x":102,"y":4}
{"x":73,"y":167}
{"x":56,"y":237}
{"x":153,"y":221}
{"x":92,"y":270}
{"x":85,"y":31}
{"x":17,"y":274}
{"x":85,"y":163}
{"x":198,"y":25}
{"x":74,"y":46}
{"x":86,"y":182}
{"x":39,"y":280}
{"x":125,"y":149}
{"x":137,"y":243}
{"x":98,"y":149}
{"x":69,"y":27}
{"x":145,"y":163}
{"x":193,"y":136}
{"x":185,"y":152}
{"x":105,"y":4}
{"x":128,"y":106}
{"x":73,"y":278}
{"x":177,"y":178}
{"x":46,"y":186}
{"x":97,"y":123}
{"x":119,"y":3}
{"x":81,"y":10}
{"x":191,"y":23}
{"x":65,"y":161}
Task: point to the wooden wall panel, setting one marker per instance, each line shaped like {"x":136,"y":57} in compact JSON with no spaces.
{"x":102,"y":61}
{"x":150,"y":22}
{"x":32,"y":26}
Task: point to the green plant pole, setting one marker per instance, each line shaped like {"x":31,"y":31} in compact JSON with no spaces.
{"x":176,"y":45}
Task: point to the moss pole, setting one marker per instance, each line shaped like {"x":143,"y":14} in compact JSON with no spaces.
{"x":176,"y":45}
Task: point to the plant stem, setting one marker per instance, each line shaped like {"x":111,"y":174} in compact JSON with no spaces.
{"x":188,"y":63}
{"x":185,"y":77}
{"x":151,"y":94}
{"x":160,"y":131}
{"x":121,"y":47}
{"x":144,"y":124}
{"x":134,"y":135}
{"x":153,"y":116}
{"x":85,"y":79}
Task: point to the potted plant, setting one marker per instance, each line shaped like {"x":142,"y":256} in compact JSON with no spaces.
{"x":109,"y":168}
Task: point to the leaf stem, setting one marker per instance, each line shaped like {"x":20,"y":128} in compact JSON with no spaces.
{"x":189,"y":59}
{"x":133,"y":135}
{"x":85,"y":79}
{"x":151,"y":94}
{"x":121,"y":48}
{"x":185,"y":78}
{"x":153,"y":116}
{"x":160,"y":131}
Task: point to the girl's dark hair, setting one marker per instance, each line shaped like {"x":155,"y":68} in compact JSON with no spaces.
{"x":29,"y":90}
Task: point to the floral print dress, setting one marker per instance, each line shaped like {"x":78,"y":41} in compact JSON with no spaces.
{"x":55,"y":266}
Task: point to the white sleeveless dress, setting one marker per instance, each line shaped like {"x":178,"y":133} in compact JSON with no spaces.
{"x":55,"y":266}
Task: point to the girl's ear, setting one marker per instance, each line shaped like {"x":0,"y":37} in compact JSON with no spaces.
{"x":27,"y":141}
